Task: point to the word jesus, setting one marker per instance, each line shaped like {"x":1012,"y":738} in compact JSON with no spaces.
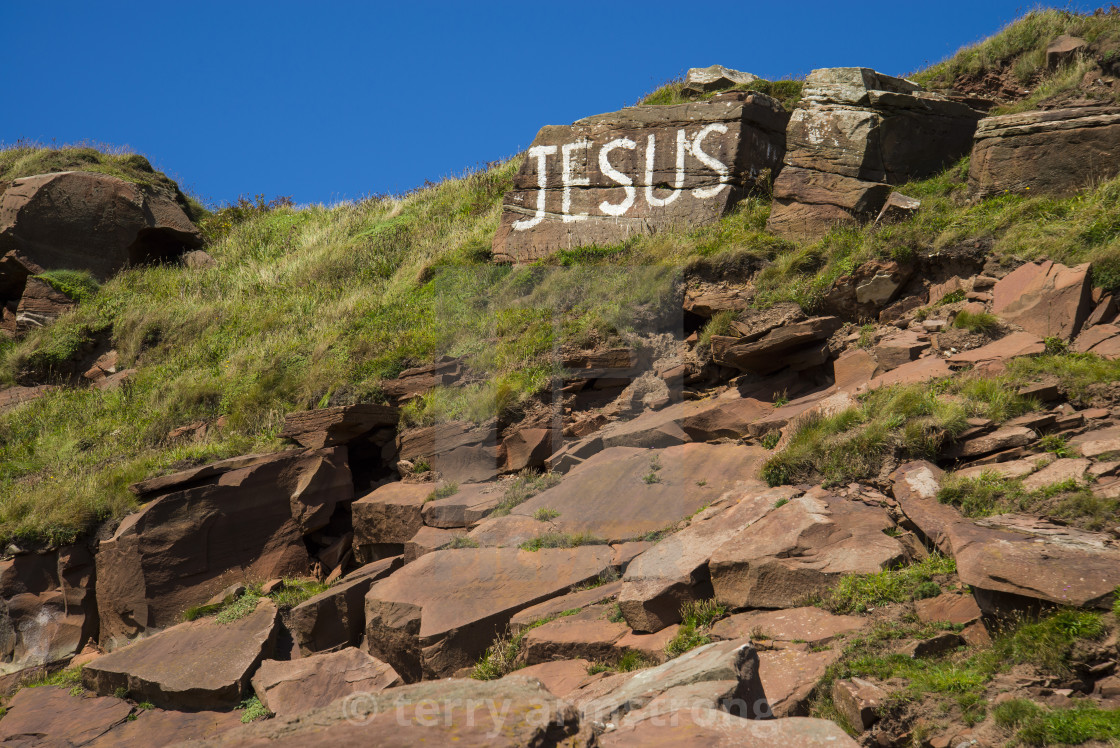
{"x":568,"y":180}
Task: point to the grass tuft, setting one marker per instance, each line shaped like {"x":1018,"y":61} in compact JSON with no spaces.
{"x":859,"y":593}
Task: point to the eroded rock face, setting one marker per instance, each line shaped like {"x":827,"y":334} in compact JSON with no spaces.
{"x":81,"y":220}
{"x":855,"y":133}
{"x":714,"y":78}
{"x":1047,"y":298}
{"x":439,"y":613}
{"x":638,"y":170}
{"x":292,"y":687}
{"x":335,"y":618}
{"x":218,"y":525}
{"x":711,"y":728}
{"x":196,"y":665}
{"x":327,"y":427}
{"x":1055,"y":151}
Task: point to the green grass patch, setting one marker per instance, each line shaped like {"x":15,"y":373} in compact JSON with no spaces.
{"x":462,"y":541}
{"x":858,"y":593}
{"x":79,"y":285}
{"x":544,"y":514}
{"x":253,"y":710}
{"x":560,"y":540}
{"x":787,"y":92}
{"x":1077,"y":373}
{"x":697,"y":618}
{"x":523,"y":487}
{"x":1036,"y":725}
{"x":1070,"y":500}
{"x":445,"y":491}
{"x":981,"y":322}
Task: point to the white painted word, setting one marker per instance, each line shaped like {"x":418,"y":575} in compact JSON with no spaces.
{"x":630,"y":193}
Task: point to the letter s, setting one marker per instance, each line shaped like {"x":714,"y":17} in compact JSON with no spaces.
{"x":618,"y":176}
{"x":712,"y":163}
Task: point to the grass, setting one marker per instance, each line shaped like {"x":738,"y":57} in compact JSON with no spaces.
{"x":560,"y":540}
{"x":859,"y":593}
{"x":1070,"y":501}
{"x":981,"y":322}
{"x":504,"y":655}
{"x":291,"y":593}
{"x":697,"y":618}
{"x":1058,"y":445}
{"x":67,"y":677}
{"x":443,"y":492}
{"x":912,"y":421}
{"x":1035,"y":725}
{"x":462,"y":541}
{"x":1077,"y":373}
{"x":544,"y":514}
{"x":253,"y":710}
{"x":523,"y":487}
{"x":79,"y":285}
{"x":787,"y":92}
{"x":628,"y":662}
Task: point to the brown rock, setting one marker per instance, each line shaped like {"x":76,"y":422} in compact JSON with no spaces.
{"x":1099,"y":339}
{"x":50,"y":716}
{"x":935,"y":645}
{"x":601,"y":179}
{"x":1064,"y":50}
{"x":813,"y":626}
{"x":1053,"y":151}
{"x":1000,"y":439}
{"x":623,"y":493}
{"x":560,"y":677}
{"x":335,"y":618}
{"x":327,"y":427}
{"x":770,"y":352}
{"x":586,"y":635}
{"x":788,"y":677}
{"x":197,"y":259}
{"x":196,"y":665}
{"x":899,"y":349}
{"x":948,"y":608}
{"x":415,"y":382}
{"x":869,"y":288}
{"x":242,"y":524}
{"x":707,"y":302}
{"x":859,"y":701}
{"x":853,"y":368}
{"x":12,"y":397}
{"x":15,"y":269}
{"x":529,"y":448}
{"x":387,"y":518}
{"x":711,"y":728}
{"x":801,"y":549}
{"x":292,"y":687}
{"x":1058,"y":471}
{"x":172,"y":728}
{"x":40,"y":305}
{"x":439,"y":613}
{"x":675,"y":571}
{"x":557,"y":605}
{"x":87,"y":221}
{"x":1048,"y":299}
{"x":1011,"y":469}
{"x":808,"y":203}
{"x":1014,"y":345}
{"x":898,"y":207}
{"x":470,"y":504}
{"x":1098,"y":443}
{"x":428,"y":539}
{"x":922,"y":370}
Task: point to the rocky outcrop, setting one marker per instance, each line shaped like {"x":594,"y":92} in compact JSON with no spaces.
{"x":335,"y":618}
{"x":40,"y":305}
{"x":714,"y":78}
{"x":328,"y":427}
{"x":1045,"y":298}
{"x":387,"y":518}
{"x":212,"y":526}
{"x":292,"y":687}
{"x":855,"y":133}
{"x":797,"y":346}
{"x":196,"y":665}
{"x":86,"y":221}
{"x":607,"y":177}
{"x":439,"y":613}
{"x":1056,"y":151}
{"x":698,"y":727}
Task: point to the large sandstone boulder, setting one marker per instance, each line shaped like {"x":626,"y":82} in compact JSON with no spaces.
{"x":607,"y":177}
{"x":801,"y":549}
{"x":94,"y":222}
{"x":795,"y":345}
{"x":47,"y":607}
{"x":505,"y":713}
{"x":196,"y":665}
{"x":387,"y":518}
{"x":714,"y":78}
{"x":291,"y":687}
{"x":1046,"y":298}
{"x":327,"y":427}
{"x":1056,"y":151}
{"x":336,"y":618}
{"x":855,"y":133}
{"x":51,"y":716}
{"x":442,"y":611}
{"x":675,"y":571}
{"x":711,"y":728}
{"x":217,"y":525}
{"x":624,"y":493}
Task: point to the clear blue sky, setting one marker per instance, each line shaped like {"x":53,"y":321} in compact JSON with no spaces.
{"x":335,"y":100}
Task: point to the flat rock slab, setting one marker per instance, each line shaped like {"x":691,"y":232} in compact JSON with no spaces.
{"x":711,"y":728}
{"x":51,"y":716}
{"x":788,"y":677}
{"x":1047,"y":299}
{"x":196,"y":665}
{"x":327,"y":427}
{"x":336,"y":618}
{"x":172,"y":728}
{"x":811,"y":625}
{"x":1098,"y":443}
{"x":1059,"y":471}
{"x":915,"y":372}
{"x":915,"y":486}
{"x":511,"y":712}
{"x":586,"y":635}
{"x":439,"y":613}
{"x":948,"y":608}
{"x":801,"y":549}
{"x":1014,"y":345}
{"x":571,"y":601}
{"x":996,"y":441}
{"x":675,"y":571}
{"x":637,"y":170}
{"x":470,"y":504}
{"x":624,"y":493}
{"x":560,"y":677}
{"x":292,"y":687}
{"x":1010,"y":469}
{"x":388,"y":517}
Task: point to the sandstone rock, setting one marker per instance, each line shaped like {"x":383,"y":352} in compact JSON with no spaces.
{"x":335,"y":618}
{"x":439,"y":613}
{"x":859,"y":701}
{"x":586,"y":635}
{"x":703,"y":420}
{"x":1048,"y":299}
{"x":15,"y":269}
{"x":1058,"y":471}
{"x":40,"y":305}
{"x":623,"y":493}
{"x":788,"y":677}
{"x":813,"y":626}
{"x":869,"y":288}
{"x":808,"y":203}
{"x":1014,"y":345}
{"x":723,"y":661}
{"x":899,"y":349}
{"x":505,"y":713}
{"x":560,"y":677}
{"x":419,"y":380}
{"x":502,"y":532}
{"x":1063,"y":50}
{"x":428,"y":539}
{"x":12,"y":397}
{"x":948,"y":608}
{"x":470,"y":504}
{"x":50,"y":716}
{"x":773,"y":350}
{"x":558,"y":605}
{"x":898,"y":207}
{"x":243,"y":524}
{"x":711,"y":728}
{"x":172,"y":727}
{"x":801,"y":549}
{"x":707,"y":302}
{"x":931,"y":647}
{"x":197,"y":259}
{"x":529,"y":448}
{"x":196,"y":665}
{"x":1054,"y":151}
{"x":675,"y":571}
{"x":387,"y":518}
{"x":327,"y":427}
{"x":1000,"y":439}
{"x":1011,"y":469}
{"x":650,"y":430}
{"x":1098,"y":443}
{"x":1102,"y":340}
{"x":86,"y":221}
{"x":854,"y":368}
{"x":714,"y":78}
{"x":292,"y":687}
{"x":613,"y":175}
{"x":922,"y":370}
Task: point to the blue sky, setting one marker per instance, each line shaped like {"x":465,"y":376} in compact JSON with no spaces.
{"x":327,"y":101}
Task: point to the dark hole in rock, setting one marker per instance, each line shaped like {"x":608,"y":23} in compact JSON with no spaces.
{"x":154,"y":246}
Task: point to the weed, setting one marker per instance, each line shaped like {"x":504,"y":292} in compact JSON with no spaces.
{"x":445,"y":491}
{"x":981,"y":322}
{"x":68,"y":677}
{"x":525,"y":486}
{"x":254,"y":710}
{"x":615,"y":615}
{"x":560,"y":540}
{"x":545,"y":514}
{"x":462,"y":541}
{"x":239,"y":608}
{"x":1058,"y":444}
{"x":858,"y":593}
{"x":771,"y":438}
{"x":697,"y":618}
{"x":651,"y":477}
{"x":1055,"y":346}
{"x":989,"y":493}
{"x":780,"y":503}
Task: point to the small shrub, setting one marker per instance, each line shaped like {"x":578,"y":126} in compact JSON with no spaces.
{"x":1055,"y":346}
{"x":650,"y":478}
{"x":544,"y":514}
{"x":254,"y":710}
{"x":445,"y":491}
{"x":1058,"y":444}
{"x":771,"y":439}
{"x":560,"y":540}
{"x":981,"y":322}
{"x":951,"y":298}
{"x":633,"y":660}
{"x":239,"y":608}
{"x":780,"y":503}
{"x":525,"y":486}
